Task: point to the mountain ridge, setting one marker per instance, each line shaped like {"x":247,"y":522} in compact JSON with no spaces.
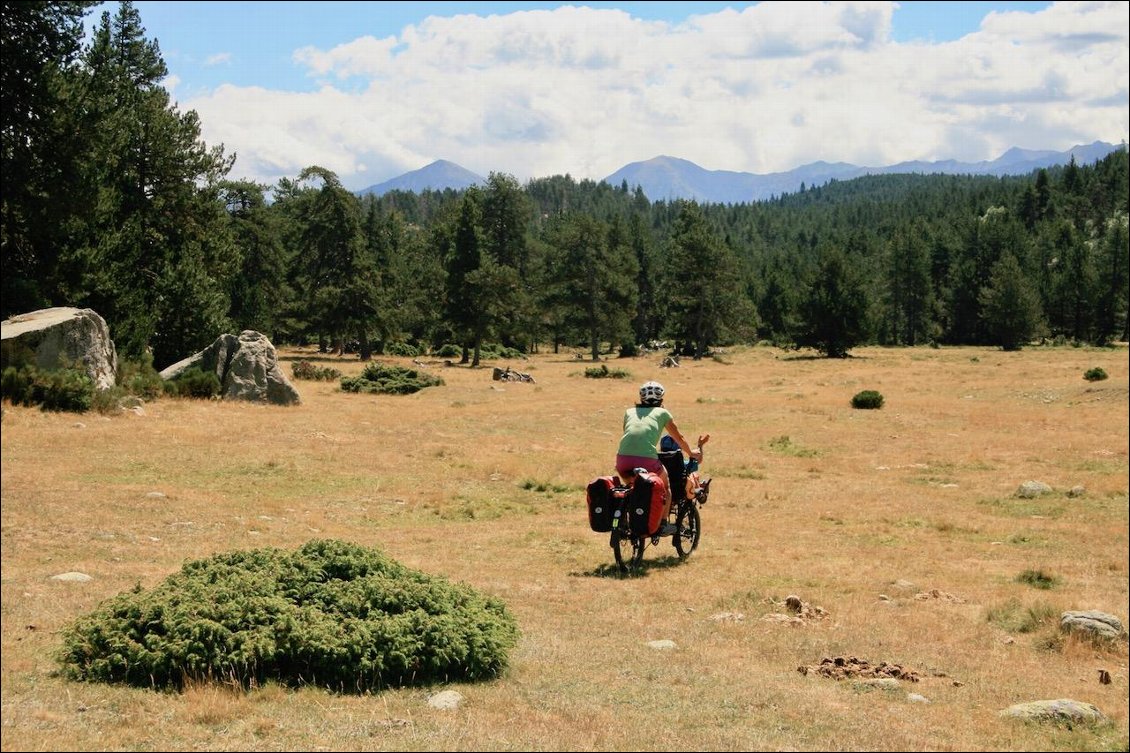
{"x":665,"y":178}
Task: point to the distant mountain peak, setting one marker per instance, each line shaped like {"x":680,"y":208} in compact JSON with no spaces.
{"x":666,"y":178}
{"x":437,"y":176}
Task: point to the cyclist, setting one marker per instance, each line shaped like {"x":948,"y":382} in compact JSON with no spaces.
{"x":643,"y":426}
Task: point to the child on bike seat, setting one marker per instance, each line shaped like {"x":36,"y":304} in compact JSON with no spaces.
{"x":690,"y":466}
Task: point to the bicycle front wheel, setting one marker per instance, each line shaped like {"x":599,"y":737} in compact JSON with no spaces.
{"x":688,"y":529}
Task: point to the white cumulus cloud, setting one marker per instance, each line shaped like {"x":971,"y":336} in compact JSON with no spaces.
{"x":583,"y":91}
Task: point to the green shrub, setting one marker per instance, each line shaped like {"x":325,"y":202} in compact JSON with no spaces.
{"x":307,"y":370}
{"x":449,"y":351}
{"x":194,"y":382}
{"x":402,"y":349}
{"x":867,"y":399}
{"x":603,"y":372}
{"x":393,"y":380}
{"x":1096,"y":374}
{"x":140,"y":378}
{"x":330,"y":614}
{"x":57,"y":389}
{"x":1038,"y":579}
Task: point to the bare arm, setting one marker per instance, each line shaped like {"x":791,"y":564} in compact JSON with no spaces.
{"x":685,"y":446}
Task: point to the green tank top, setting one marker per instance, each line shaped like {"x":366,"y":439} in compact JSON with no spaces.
{"x":642,"y":428}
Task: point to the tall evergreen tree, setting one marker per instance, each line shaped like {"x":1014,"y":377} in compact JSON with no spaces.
{"x":835,"y":315}
{"x":39,"y":45}
{"x":594,"y":279}
{"x":910,"y":316}
{"x":258,"y":291}
{"x":338,"y":283}
{"x":702,"y":291}
{"x":1011,"y":305}
{"x":157,"y":212}
{"x":464,"y":258}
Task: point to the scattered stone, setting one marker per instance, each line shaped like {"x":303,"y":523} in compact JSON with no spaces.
{"x":156,"y":495}
{"x":78,"y":425}
{"x":904,"y":585}
{"x":727,"y":617}
{"x":841,"y":668}
{"x":883,"y":683}
{"x":916,"y":698}
{"x":797,"y":612}
{"x":934,"y":593}
{"x":1076,"y":491}
{"x":662,"y":645}
{"x":72,"y":577}
{"x":1060,"y":710}
{"x":446,"y":700}
{"x":1033,"y":489}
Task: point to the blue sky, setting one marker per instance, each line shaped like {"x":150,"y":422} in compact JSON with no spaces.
{"x":374,"y":89}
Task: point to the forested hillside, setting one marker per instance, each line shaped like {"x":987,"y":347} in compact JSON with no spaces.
{"x":112,"y":201}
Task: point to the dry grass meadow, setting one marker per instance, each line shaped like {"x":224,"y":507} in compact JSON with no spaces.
{"x":901,"y":524}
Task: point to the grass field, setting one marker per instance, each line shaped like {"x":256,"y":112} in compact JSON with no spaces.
{"x":900,"y":525}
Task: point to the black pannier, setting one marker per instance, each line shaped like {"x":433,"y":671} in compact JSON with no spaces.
{"x":599,"y":497}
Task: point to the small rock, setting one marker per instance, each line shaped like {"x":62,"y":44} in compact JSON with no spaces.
{"x":73,"y":577}
{"x":727,"y":617}
{"x":78,"y":425}
{"x":662,"y":645}
{"x":446,"y":700}
{"x":156,"y":495}
{"x":915,"y":698}
{"x":1033,"y":489}
{"x":1076,"y":491}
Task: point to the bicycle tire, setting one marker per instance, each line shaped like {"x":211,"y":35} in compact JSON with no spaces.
{"x":688,"y":529}
{"x":633,"y":544}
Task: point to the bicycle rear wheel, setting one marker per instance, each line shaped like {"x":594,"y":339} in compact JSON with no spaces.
{"x":628,"y":550}
{"x":688,"y":529}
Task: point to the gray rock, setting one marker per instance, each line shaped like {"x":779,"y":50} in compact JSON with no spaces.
{"x":247,"y":367}
{"x":662,"y":645}
{"x":1093,"y":622}
{"x":60,"y":337}
{"x":1076,"y":491}
{"x":72,"y":577}
{"x":1033,"y":489}
{"x":1060,"y":710}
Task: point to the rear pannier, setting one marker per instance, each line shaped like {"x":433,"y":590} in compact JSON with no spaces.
{"x":599,"y":497}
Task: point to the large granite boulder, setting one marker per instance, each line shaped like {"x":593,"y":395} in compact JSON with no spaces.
{"x":247,"y":367}
{"x":61,"y":337}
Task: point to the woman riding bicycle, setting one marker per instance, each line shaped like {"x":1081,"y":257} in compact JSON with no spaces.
{"x":643,"y":426}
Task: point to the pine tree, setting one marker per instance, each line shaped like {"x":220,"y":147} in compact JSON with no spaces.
{"x":1011,"y":305}
{"x":834,"y":317}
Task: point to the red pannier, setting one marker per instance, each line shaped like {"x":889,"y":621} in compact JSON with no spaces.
{"x":645,"y":503}
{"x":599,"y":497}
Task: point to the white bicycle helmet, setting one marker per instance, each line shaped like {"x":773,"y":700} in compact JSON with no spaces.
{"x":651,"y":393}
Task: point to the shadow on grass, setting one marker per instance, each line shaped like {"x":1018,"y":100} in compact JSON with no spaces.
{"x":612,"y":570}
